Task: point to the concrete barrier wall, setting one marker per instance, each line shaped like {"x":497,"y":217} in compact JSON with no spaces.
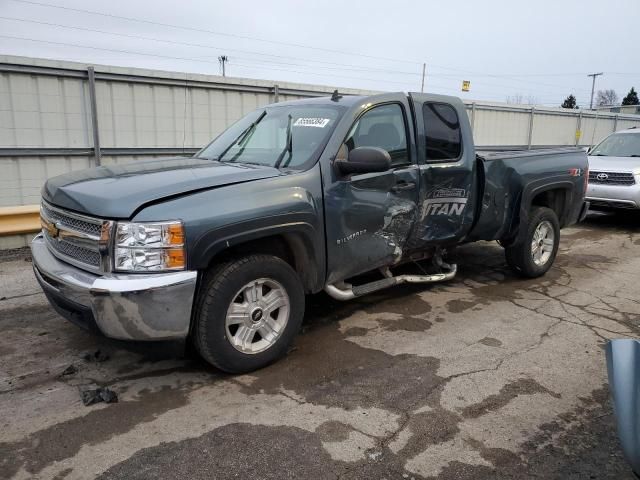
{"x":48,"y":125}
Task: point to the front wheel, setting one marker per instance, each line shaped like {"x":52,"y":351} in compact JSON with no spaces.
{"x":248,"y":312}
{"x":533,"y":255}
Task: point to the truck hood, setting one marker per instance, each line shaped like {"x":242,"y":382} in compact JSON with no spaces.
{"x":615,"y":164}
{"x":117,"y":191}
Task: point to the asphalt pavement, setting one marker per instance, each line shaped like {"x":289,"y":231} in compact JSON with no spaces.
{"x":487,"y":376}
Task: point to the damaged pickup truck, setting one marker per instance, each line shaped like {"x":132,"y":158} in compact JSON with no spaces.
{"x":294,"y":198}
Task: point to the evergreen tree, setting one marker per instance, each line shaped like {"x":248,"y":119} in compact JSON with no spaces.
{"x":569,"y":102}
{"x":631,"y":98}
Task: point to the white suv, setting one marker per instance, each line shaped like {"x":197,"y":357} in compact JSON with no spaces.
{"x":614,"y":171}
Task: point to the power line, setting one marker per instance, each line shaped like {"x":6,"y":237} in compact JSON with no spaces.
{"x":344,"y":66}
{"x":212,"y":32}
{"x":189,"y":44}
{"x":247,"y":37}
{"x":133,"y":52}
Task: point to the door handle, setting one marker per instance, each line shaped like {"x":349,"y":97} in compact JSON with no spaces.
{"x":403,"y":186}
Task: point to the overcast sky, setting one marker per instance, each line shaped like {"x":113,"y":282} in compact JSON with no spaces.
{"x":540,"y":49}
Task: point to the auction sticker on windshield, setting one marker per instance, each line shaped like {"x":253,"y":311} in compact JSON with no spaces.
{"x":312,"y":122}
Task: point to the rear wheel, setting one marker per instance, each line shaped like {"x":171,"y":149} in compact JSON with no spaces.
{"x":533,"y":255}
{"x":248,"y":312}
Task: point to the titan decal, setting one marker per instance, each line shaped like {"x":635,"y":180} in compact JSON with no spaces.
{"x":445,"y":201}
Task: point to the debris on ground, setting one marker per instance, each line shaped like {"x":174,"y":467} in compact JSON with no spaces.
{"x":97,"y":395}
{"x":70,"y":370}
{"x":96,"y":357}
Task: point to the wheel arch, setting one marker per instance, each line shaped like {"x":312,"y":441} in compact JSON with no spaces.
{"x":554,"y":195}
{"x":294,"y":242}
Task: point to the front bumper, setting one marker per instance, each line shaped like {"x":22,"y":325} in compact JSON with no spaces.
{"x":614,"y":196}
{"x":127,"y":307}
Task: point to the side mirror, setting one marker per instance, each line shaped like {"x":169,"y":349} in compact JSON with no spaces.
{"x":365,"y":160}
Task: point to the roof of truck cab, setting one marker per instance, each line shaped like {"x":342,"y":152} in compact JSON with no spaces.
{"x":346,"y":100}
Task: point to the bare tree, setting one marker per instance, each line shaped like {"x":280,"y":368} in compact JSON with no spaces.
{"x":531,"y":100}
{"x":606,"y":98}
{"x":517,"y":99}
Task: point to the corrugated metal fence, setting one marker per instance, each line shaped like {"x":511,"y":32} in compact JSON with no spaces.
{"x":60,"y":116}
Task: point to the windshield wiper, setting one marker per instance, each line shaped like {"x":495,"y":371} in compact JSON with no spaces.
{"x":241,"y":138}
{"x":288,"y":147}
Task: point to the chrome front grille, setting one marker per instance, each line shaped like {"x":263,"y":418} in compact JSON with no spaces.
{"x":79,"y":254}
{"x":76,"y":239}
{"x":611,"y":178}
{"x":73,"y":222}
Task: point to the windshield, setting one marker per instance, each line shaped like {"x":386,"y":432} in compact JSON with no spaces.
{"x":288,"y":136}
{"x":619,"y":145}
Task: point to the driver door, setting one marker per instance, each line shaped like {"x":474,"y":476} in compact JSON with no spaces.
{"x":369,"y":216}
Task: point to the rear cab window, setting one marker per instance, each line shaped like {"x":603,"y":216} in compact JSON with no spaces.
{"x":442,"y":132}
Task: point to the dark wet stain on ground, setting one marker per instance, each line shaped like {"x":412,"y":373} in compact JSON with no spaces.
{"x":522,"y":386}
{"x":65,"y":439}
{"x":598,"y":226}
{"x":332,"y":431}
{"x":459,"y":306}
{"x":587,"y":259}
{"x":582,"y":445}
{"x":63,"y":474}
{"x":490,"y":342}
{"x":429,"y":428}
{"x":356,"y":332}
{"x":272,"y":453}
{"x":406,"y":323}
{"x":400,"y":305}
{"x":6,"y":350}
{"x":326,"y":369}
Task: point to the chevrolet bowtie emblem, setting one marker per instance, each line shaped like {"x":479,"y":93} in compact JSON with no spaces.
{"x":50,"y":227}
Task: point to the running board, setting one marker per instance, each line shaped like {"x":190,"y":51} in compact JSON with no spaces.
{"x":353,"y":292}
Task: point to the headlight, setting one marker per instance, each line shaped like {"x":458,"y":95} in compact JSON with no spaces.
{"x":142,"y":247}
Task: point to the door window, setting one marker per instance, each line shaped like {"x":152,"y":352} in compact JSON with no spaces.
{"x":381,"y":127}
{"x":442,"y":132}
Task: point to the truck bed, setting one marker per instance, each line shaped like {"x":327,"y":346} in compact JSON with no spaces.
{"x":512,"y":154}
{"x":510,"y":181}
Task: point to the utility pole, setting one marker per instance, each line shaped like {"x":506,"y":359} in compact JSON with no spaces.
{"x":424,"y":68}
{"x":593,"y":86}
{"x":223,"y":59}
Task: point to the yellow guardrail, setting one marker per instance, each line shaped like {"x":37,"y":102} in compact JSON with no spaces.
{"x":22,"y":219}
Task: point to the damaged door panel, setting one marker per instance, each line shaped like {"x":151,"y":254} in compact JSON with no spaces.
{"x":370,"y":216}
{"x":447,"y":171}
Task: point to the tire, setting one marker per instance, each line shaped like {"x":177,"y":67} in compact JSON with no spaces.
{"x":236,"y":325}
{"x":527,"y":260}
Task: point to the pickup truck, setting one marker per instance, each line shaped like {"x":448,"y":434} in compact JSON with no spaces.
{"x":295,"y":198}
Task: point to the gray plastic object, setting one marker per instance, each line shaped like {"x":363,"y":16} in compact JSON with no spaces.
{"x":623,"y":368}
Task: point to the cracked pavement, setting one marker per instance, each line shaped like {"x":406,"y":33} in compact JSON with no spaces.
{"x":487,"y":376}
